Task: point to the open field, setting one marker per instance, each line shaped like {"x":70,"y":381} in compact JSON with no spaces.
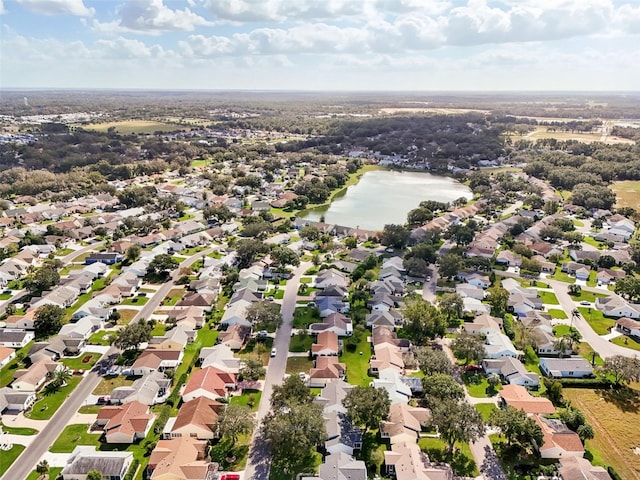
{"x":627,"y":193}
{"x":74,"y":435}
{"x":627,"y":342}
{"x":543,"y":132}
{"x":134,"y":126}
{"x":9,"y":456}
{"x":441,"y":111}
{"x":614,"y":415}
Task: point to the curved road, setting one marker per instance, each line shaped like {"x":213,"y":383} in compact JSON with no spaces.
{"x":258,"y":460}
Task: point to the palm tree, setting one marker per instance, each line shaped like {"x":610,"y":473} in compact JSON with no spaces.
{"x":42,"y":468}
{"x":61,"y":376}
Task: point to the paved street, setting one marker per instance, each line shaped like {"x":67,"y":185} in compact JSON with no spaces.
{"x":258,"y":461}
{"x":30,"y":457}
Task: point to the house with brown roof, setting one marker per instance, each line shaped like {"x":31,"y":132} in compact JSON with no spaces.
{"x":204,"y":300}
{"x":336,"y":322}
{"x":209,"y":382}
{"x":404,"y":423}
{"x":181,"y":458}
{"x":6,"y":355}
{"x":405,"y":461}
{"x":235,"y":336}
{"x":124,"y":423}
{"x":628,"y":326}
{"x":156,"y":360}
{"x":326,"y":344}
{"x":189,"y":317}
{"x":558,"y":440}
{"x":576,"y":468}
{"x":382,"y":335}
{"x":326,"y":369}
{"x":35,"y":376}
{"x":386,"y":356}
{"x":197,"y":418}
{"x":517,"y":396}
{"x":176,"y":338}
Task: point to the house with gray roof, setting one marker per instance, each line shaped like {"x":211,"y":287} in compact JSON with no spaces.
{"x":113,"y":465}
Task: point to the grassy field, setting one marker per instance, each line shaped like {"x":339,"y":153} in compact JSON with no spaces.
{"x":126,"y":315}
{"x":462,"y":461}
{"x":84,"y":361}
{"x":249,"y":398}
{"x":53,"y":474}
{"x":357,"y":363}
{"x":557,"y":313}
{"x":173,"y":297}
{"x":562,"y":277}
{"x":586,"y":351}
{"x":302,"y":317}
{"x":587,"y":296}
{"x":485,"y":410}
{"x":44,"y":408}
{"x":300,"y":343}
{"x":137,"y":301}
{"x":477,"y":385}
{"x":298,"y":364}
{"x":549,"y":298}
{"x":8,"y":457}
{"x":18,"y":430}
{"x":627,"y":193}
{"x":627,"y":342}
{"x":100,"y":338}
{"x":134,"y":126}
{"x":596,"y":320}
{"x":73,"y":435}
{"x":6,"y":374}
{"x":615,"y":417}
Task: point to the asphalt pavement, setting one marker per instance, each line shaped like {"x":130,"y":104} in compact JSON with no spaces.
{"x":258,"y":462}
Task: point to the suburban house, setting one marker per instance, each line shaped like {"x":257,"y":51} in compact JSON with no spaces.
{"x":209,"y":382}
{"x":332,"y":395}
{"x":615,"y":306}
{"x":342,"y":435}
{"x":326,"y":369}
{"x":181,"y":458}
{"x":331,"y":277}
{"x":483,"y":325}
{"x":381,"y":335}
{"x":340,"y":466}
{"x":578,"y":468}
{"x":125,"y":423}
{"x":385,"y":356}
{"x":197,"y":418}
{"x":498,"y":345}
{"x":108,"y":258}
{"x":404,"y":423}
{"x":511,"y":370}
{"x":152,"y":360}
{"x":327,"y":343}
{"x":113,"y":465}
{"x":574,"y":367}
{"x":176,"y":338}
{"x":151,"y":389}
{"x":15,"y":400}
{"x":336,"y":322}
{"x":392,"y":381}
{"x":558,"y":440}
{"x":628,"y":326}
{"x":31,"y":379}
{"x":235,"y":336}
{"x":6,"y":355}
{"x":15,"y":338}
{"x":517,"y":396}
{"x":471,"y":291}
{"x":405,"y":461}
{"x":221,"y":357}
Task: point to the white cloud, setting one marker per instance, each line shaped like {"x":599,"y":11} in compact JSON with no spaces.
{"x":2,"y":10}
{"x":58,"y":7}
{"x":151,"y":17}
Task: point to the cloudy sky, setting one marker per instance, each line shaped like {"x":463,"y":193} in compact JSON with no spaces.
{"x":321,"y":44}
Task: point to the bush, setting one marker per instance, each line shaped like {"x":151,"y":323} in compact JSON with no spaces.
{"x":132,"y":470}
{"x":613,"y":473}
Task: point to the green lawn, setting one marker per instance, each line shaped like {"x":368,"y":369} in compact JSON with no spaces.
{"x":18,"y":430}
{"x":73,"y":435}
{"x":561,"y":330}
{"x":5,"y":296}
{"x":206,"y":337}
{"x":593,"y":242}
{"x":587,"y":296}
{"x":8,"y":457}
{"x":477,"y":385}
{"x":485,"y":410}
{"x":277,"y":294}
{"x":139,"y":301}
{"x":159,"y":329}
{"x":220,"y":453}
{"x":562,"y":276}
{"x":301,"y":343}
{"x":592,"y":282}
{"x":47,"y":405}
{"x":100,"y":338}
{"x":107,"y":384}
{"x":627,"y":342}
{"x":557,"y":313}
{"x":89,"y":409}
{"x":596,"y":320}
{"x":173,"y":297}
{"x":249,"y":398}
{"x":586,"y":351}
{"x":6,"y":374}
{"x":298,"y":364}
{"x":548,"y":297}
{"x":303,"y":317}
{"x":53,"y":474}
{"x":84,"y":361}
{"x":462,"y":461}
{"x":357,"y":363}
{"x":305,"y":279}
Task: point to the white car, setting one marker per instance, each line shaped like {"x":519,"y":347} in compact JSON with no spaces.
{"x":584,"y":302}
{"x":274,"y":352}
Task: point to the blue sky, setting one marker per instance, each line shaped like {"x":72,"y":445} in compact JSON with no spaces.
{"x":321,"y":44}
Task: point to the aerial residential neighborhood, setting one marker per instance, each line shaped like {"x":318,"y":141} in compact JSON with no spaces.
{"x":212,"y":312}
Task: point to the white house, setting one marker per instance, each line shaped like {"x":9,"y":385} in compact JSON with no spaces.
{"x":615,"y":306}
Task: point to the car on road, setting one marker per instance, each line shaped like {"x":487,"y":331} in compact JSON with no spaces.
{"x":104,"y":400}
{"x":584,"y":302}
{"x":274,"y":352}
{"x":262,"y":333}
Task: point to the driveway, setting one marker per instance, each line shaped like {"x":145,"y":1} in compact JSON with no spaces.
{"x":429,"y":288}
{"x":259,"y":460}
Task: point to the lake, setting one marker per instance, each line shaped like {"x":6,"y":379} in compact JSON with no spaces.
{"x":386,"y":196}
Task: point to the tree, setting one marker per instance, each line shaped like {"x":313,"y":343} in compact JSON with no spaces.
{"x":264,"y":315}
{"x":432,"y":361}
{"x":48,"y":320}
{"x":132,"y":335}
{"x":423,"y":321}
{"x":451,"y":306}
{"x":283,"y":256}
{"x":235,"y":420}
{"x":133,"y":253}
{"x":450,"y":265}
{"x":517,"y":427}
{"x":468,"y":347}
{"x":622,"y":369}
{"x":416,"y":267}
{"x":461,"y":234}
{"x":43,"y":467}
{"x":219,"y":213}
{"x":395,"y":236}
{"x":550,"y":233}
{"x":628,"y":287}
{"x":162,"y":264}
{"x":553,"y":390}
{"x":575,"y":289}
{"x":441,"y":386}
{"x":252,"y":369}
{"x":44,"y":278}
{"x":292,"y":390}
{"x":247,"y":251}
{"x":493,"y":380}
{"x":367,"y":406}
{"x":309,"y":232}
{"x":457,"y":422}
{"x":498,"y":299}
{"x":94,"y":475}
{"x":424,"y":251}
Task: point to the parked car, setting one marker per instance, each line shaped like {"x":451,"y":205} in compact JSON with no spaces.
{"x":274,"y":352}
{"x":104,"y":400}
{"x":584,"y":302}
{"x":262,"y":333}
